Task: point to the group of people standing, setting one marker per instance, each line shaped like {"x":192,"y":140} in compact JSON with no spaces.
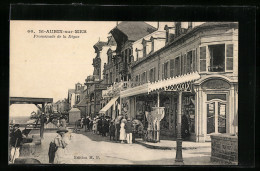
{"x":121,"y":129}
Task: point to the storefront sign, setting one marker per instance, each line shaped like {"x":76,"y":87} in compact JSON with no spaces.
{"x":216,"y":84}
{"x":179,"y":87}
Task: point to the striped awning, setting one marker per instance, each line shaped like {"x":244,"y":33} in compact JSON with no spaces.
{"x":109,"y":104}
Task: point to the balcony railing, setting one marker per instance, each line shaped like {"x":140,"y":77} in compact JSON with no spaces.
{"x":216,"y":68}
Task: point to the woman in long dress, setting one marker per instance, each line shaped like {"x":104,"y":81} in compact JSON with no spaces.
{"x":122,"y":131}
{"x":61,"y":142}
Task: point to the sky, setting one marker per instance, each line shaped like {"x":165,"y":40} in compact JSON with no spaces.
{"x":48,"y":67}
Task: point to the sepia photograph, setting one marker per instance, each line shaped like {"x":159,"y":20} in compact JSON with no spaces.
{"x":123,"y":92}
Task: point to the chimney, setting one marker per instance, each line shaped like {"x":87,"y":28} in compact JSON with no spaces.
{"x":158,"y":25}
{"x":189,"y":25}
{"x":117,"y":23}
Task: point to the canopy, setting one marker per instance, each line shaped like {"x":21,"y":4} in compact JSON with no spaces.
{"x":108,"y":105}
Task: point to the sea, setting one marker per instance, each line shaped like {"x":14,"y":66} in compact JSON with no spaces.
{"x":19,"y":119}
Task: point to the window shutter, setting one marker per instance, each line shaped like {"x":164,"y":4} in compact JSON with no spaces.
{"x":154,"y":69}
{"x":172,"y":68}
{"x":229,"y":57}
{"x":185,"y":64}
{"x":193,"y":61}
{"x":162,"y":71}
{"x":203,"y":59}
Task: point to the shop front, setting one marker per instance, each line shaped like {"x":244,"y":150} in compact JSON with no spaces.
{"x":216,"y":107}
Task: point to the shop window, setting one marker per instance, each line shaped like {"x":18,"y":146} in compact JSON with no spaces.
{"x":203,"y":59}
{"x":217,"y":58}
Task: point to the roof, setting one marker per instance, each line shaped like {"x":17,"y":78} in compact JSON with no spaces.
{"x":99,"y":45}
{"x":207,"y":25}
{"x":135,"y":30}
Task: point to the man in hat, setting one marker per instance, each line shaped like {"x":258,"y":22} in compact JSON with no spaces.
{"x":16,"y":138}
{"x":61,"y":143}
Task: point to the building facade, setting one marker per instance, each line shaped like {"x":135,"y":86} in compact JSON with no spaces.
{"x":201,"y":62}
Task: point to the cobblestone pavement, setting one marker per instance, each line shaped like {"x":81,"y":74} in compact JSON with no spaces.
{"x":86,"y":148}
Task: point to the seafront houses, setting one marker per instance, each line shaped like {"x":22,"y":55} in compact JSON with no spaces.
{"x":195,"y":73}
{"x":117,"y":69}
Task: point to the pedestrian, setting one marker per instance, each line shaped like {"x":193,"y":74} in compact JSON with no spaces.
{"x":81,"y":122}
{"x":61,"y":143}
{"x":94,"y":126}
{"x":112,"y":130}
{"x":87,"y":123}
{"x":185,"y":126}
{"x":122,"y":131}
{"x":106,"y":127}
{"x":16,"y":138}
{"x":99,"y":126}
{"x":90,"y":124}
{"x":129,"y":130}
{"x":77,"y":125}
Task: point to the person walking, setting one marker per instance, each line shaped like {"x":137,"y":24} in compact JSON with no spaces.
{"x":81,"y":122}
{"x":122,"y":131}
{"x":61,"y":143}
{"x":87,"y":123}
{"x":112,"y":130}
{"x":129,"y":130}
{"x":94,"y":126}
{"x":16,"y":138}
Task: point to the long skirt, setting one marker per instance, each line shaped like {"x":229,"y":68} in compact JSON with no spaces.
{"x":122,"y":134}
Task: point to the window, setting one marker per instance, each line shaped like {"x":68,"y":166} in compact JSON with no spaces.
{"x":177,"y":66}
{"x":152,"y":75}
{"x":172,"y":68}
{"x":203,"y":59}
{"x":194,"y":61}
{"x":184,"y":69}
{"x":143,"y":77}
{"x":166,"y":70}
{"x":111,"y":81}
{"x":189,"y":61}
{"x":229,"y":57}
{"x":130,"y":56}
{"x":217,"y":58}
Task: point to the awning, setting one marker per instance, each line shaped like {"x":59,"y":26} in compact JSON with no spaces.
{"x":141,"y":89}
{"x":173,"y":81}
{"x":108,"y":105}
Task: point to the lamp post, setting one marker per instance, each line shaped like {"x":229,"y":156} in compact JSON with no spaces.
{"x":179,"y":159}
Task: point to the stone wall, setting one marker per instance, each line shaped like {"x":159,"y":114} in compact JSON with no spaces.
{"x":224,"y":149}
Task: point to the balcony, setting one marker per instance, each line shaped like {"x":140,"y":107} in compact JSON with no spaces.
{"x":216,"y":68}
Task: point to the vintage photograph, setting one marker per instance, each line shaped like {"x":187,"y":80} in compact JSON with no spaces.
{"x":123,"y":92}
